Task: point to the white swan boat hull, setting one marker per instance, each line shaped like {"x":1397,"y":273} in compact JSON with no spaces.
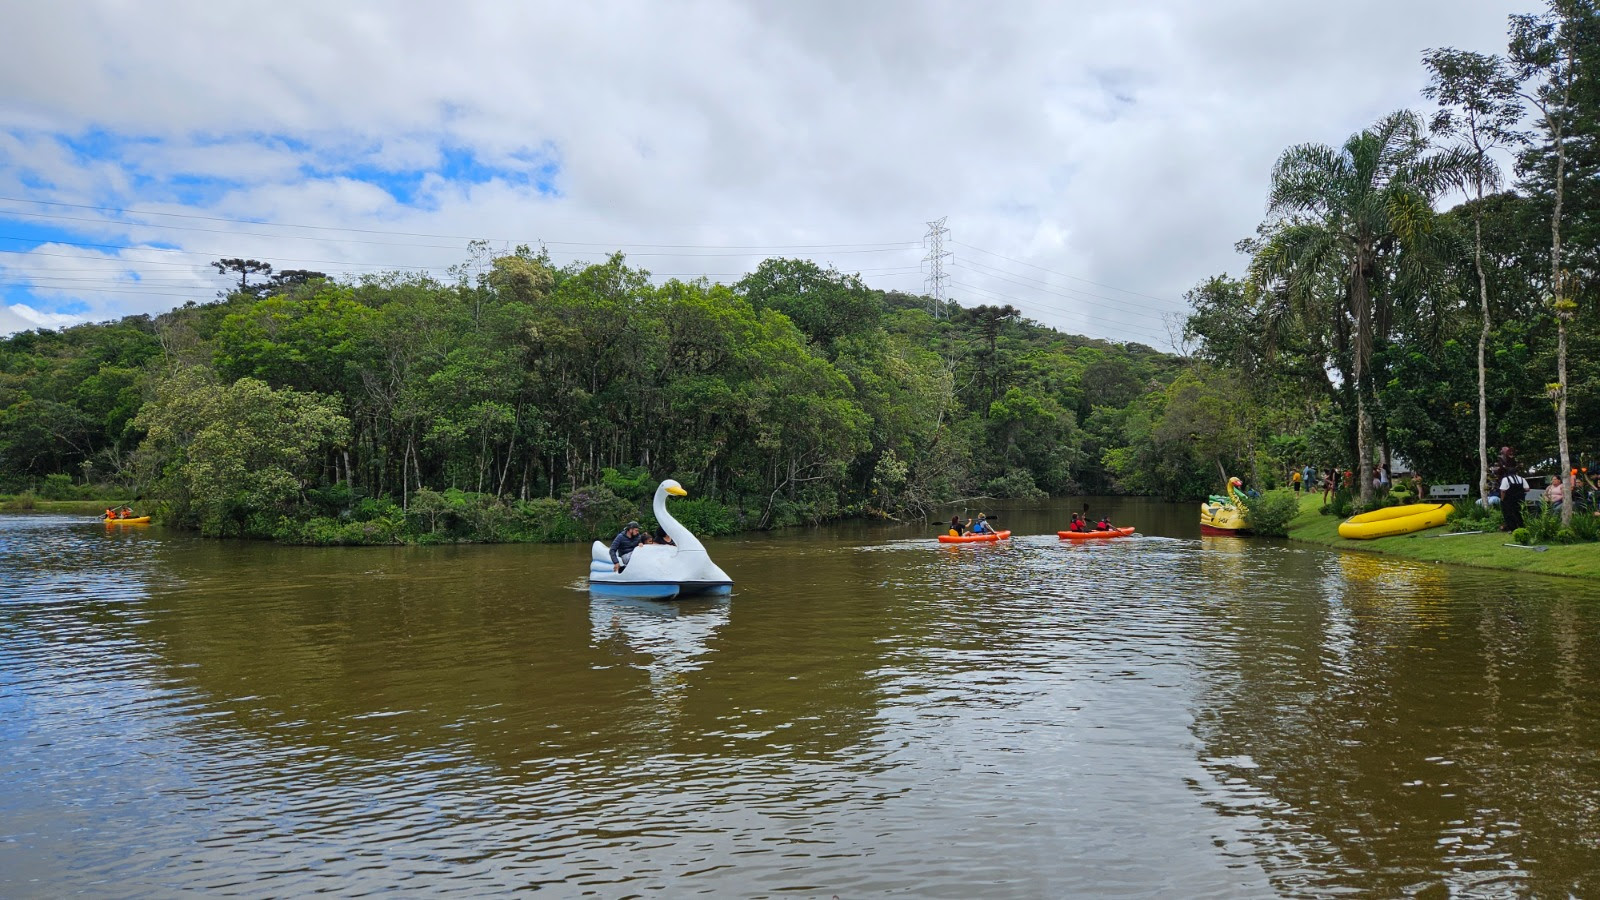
{"x":657,"y":572}
{"x":660,"y":571}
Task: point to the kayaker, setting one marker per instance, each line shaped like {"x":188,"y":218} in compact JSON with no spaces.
{"x":623,"y":545}
{"x":1076,"y":525}
{"x":111,"y":513}
{"x":982,"y":525}
{"x":1103,"y":525}
{"x":955,"y":526}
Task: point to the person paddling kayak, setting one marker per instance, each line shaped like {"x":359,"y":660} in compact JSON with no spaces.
{"x":955,"y":526}
{"x":982,"y":525}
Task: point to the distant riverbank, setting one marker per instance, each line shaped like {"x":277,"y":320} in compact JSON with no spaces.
{"x":1487,"y":551}
{"x":30,"y":503}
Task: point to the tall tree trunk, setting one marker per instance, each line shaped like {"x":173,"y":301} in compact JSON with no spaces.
{"x":1558,"y":292}
{"x":1483,"y":344}
{"x":1361,"y":304}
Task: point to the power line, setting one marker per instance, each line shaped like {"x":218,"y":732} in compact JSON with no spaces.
{"x":1065,"y":275}
{"x":1045,"y":286}
{"x":888,"y":245}
{"x":1123,"y":326}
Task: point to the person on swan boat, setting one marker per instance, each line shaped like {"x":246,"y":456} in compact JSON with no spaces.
{"x":623,"y":545}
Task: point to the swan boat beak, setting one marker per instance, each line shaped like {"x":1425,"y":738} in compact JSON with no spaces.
{"x":677,"y":491}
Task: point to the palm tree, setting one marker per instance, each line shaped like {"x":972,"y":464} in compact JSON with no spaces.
{"x":1359,"y":218}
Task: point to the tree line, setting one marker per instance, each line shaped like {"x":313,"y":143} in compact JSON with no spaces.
{"x":1369,"y":325}
{"x":537,"y":402}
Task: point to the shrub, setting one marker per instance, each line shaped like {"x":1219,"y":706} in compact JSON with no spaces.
{"x":705,"y":516}
{"x":326,"y":531}
{"x":1542,"y":527}
{"x":1015,"y":484}
{"x":1585,"y":528}
{"x":630,"y":484}
{"x":368,"y":509}
{"x":57,"y":487}
{"x":600,"y":510}
{"x":547,"y":520}
{"x":1343,"y":504}
{"x":1271,"y":512}
{"x":1521,"y":536}
{"x":1468,"y":515}
{"x":333,"y":500}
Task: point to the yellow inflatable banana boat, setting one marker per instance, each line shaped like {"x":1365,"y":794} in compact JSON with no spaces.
{"x":1394,"y":520}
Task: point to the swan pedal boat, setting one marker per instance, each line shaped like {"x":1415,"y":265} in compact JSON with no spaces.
{"x":1085,"y":535}
{"x":974,"y":538}
{"x":1393,"y":520}
{"x":136,"y":520}
{"x":660,"y":571}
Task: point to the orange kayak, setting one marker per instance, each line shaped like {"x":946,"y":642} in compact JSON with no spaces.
{"x":1085,"y":535}
{"x":137,"y":520}
{"x":974,"y":538}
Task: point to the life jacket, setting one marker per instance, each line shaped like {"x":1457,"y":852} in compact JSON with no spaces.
{"x":1102,"y":525}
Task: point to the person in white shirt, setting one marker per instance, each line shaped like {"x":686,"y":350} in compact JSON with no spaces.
{"x":1513,"y":488}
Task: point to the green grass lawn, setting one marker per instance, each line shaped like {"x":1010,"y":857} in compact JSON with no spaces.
{"x":1437,"y":545}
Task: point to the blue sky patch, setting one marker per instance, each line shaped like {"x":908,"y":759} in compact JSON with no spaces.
{"x":537,"y":168}
{"x":429,"y":164}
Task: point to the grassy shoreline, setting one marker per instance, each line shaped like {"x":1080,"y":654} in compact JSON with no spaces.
{"x":27,"y":503}
{"x":1484,"y":551}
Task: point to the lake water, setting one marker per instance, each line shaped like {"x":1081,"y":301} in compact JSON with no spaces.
{"x":870,"y":713}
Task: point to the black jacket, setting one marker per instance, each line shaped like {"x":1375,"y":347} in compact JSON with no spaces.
{"x":624,"y":544}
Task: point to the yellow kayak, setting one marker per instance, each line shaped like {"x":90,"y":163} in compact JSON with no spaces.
{"x":137,"y":520}
{"x":1394,"y":520}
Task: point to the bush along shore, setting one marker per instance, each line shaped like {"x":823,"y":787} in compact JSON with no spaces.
{"x":1468,"y":540}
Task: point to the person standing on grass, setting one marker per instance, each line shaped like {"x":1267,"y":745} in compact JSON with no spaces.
{"x":1295,"y":479}
{"x":1416,"y":485}
{"x":1513,"y":487}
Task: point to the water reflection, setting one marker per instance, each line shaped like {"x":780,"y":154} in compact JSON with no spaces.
{"x":1396,"y":721}
{"x":1159,"y":715}
{"x":667,"y":640}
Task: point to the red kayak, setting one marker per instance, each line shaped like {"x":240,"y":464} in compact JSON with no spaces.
{"x":974,"y":538}
{"x":1085,"y":535}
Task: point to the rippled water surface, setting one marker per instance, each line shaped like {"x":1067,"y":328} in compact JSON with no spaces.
{"x":869,"y":713}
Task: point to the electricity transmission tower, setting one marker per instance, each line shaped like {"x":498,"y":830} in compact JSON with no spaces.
{"x":934,"y":284}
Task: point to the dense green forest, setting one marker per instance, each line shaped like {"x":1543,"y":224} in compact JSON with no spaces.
{"x":537,"y":402}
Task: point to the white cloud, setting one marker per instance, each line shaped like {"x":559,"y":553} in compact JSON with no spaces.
{"x":47,"y":320}
{"x":1127,"y":145}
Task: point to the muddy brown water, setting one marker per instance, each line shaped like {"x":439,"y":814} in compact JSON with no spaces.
{"x":870,"y":713}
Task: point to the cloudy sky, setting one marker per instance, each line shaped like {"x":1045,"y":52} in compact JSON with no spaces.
{"x":1094,"y":160}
